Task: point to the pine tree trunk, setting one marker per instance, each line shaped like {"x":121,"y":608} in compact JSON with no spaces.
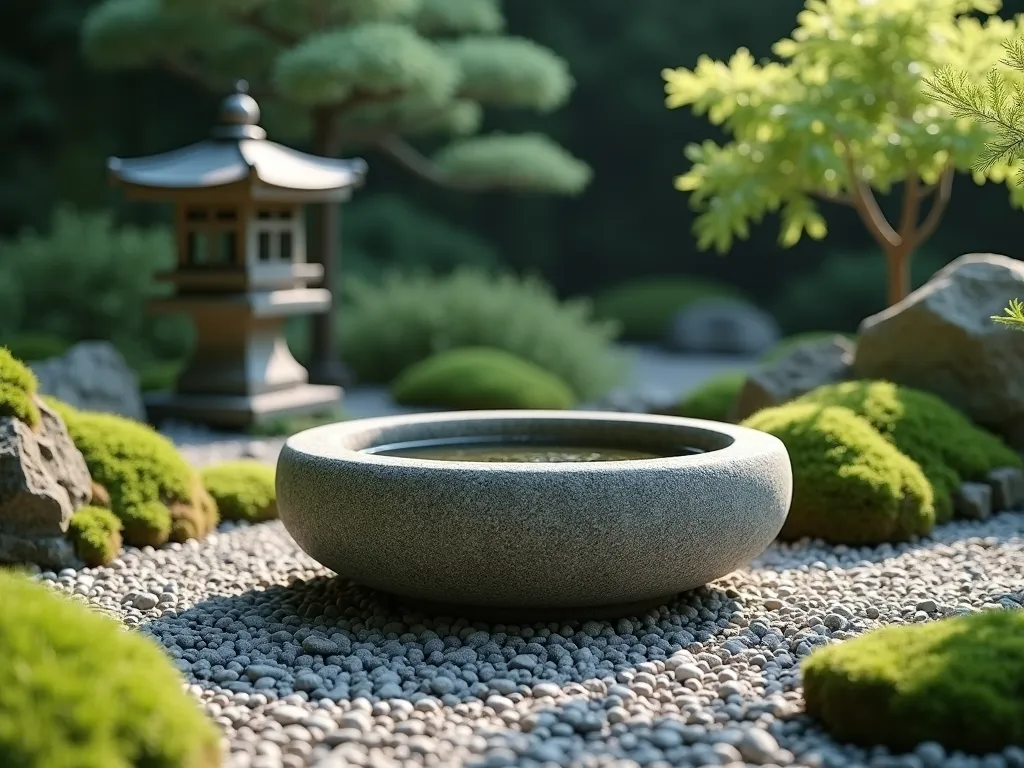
{"x":897,"y":262}
{"x":325,"y":366}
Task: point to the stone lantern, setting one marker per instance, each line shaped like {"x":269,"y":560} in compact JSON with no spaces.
{"x":241,"y":269}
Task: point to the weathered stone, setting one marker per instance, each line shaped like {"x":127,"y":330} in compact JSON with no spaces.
{"x":1007,"y":485}
{"x":53,"y":552}
{"x":723,"y":326}
{"x":973,"y":501}
{"x":807,"y":366}
{"x":94,"y":376}
{"x":941,"y":339}
{"x":43,"y":477}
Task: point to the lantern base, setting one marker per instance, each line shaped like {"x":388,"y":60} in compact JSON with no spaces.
{"x":239,"y":412}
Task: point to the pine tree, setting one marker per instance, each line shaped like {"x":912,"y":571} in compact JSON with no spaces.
{"x":999,"y":106}
{"x":841,"y":117}
{"x":385,"y":76}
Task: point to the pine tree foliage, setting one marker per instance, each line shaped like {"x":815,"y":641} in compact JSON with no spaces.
{"x":1013,"y":315}
{"x":373,"y":74}
{"x":839,"y":115}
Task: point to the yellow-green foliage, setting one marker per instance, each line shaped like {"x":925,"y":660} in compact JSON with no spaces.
{"x":714,"y":398}
{"x":96,"y":535}
{"x":947,"y":446}
{"x":644,"y":308}
{"x":850,"y":486}
{"x":18,"y":386}
{"x":478,"y":377}
{"x":78,"y":691}
{"x":243,"y":490}
{"x":956,"y":681}
{"x":142,"y":471}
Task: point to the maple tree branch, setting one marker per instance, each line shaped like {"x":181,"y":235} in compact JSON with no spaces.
{"x":943,"y":194}
{"x":867,"y":206}
{"x":910,"y":210}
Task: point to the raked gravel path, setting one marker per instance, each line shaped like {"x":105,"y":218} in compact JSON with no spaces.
{"x":300,"y":669}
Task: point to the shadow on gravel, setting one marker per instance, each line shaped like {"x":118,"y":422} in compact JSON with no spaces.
{"x":333,"y":639}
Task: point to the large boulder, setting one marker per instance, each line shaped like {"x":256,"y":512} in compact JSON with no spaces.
{"x":43,"y":480}
{"x":93,"y":376}
{"x":804,"y":367}
{"x":723,"y":326}
{"x":941,"y":339}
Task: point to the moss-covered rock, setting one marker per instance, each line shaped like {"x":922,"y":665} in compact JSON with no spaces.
{"x":243,"y":490}
{"x":96,"y":535}
{"x":786,"y":345}
{"x":850,"y":485}
{"x":77,"y":690}
{"x":943,"y":441}
{"x":480,"y":378}
{"x":714,"y":399}
{"x":141,"y":471}
{"x":18,"y":386}
{"x":957,"y":681}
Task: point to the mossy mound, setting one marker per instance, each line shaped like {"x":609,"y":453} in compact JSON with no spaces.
{"x":243,"y":490}
{"x":958,"y":681}
{"x":850,"y":485}
{"x":943,"y":441}
{"x":96,"y":535}
{"x":156,"y":494}
{"x":18,"y":387}
{"x":78,"y":690}
{"x":714,"y":399}
{"x":480,"y":378}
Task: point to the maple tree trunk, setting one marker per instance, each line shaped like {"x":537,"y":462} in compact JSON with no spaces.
{"x":325,"y":366}
{"x":897,"y":262}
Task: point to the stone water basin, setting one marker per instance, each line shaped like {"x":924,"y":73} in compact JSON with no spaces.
{"x":513,"y":510}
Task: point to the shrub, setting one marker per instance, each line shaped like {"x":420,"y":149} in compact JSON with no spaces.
{"x":477,"y":377}
{"x":957,"y":681}
{"x":644,"y":308}
{"x":141,"y":470}
{"x":388,"y":326}
{"x":850,"y":486}
{"x":18,"y":387}
{"x":947,"y":446}
{"x":714,"y":399}
{"x":96,"y":535}
{"x":243,"y":490}
{"x":78,"y":690}
{"x":36,"y":346}
{"x":107,"y":275}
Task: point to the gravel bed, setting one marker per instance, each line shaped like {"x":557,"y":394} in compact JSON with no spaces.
{"x":301,"y":669}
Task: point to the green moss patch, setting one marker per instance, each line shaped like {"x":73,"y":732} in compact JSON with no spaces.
{"x":142,"y":472}
{"x":850,"y":485}
{"x":714,"y":399}
{"x":78,"y":690}
{"x":480,"y":378}
{"x":958,"y":681}
{"x":96,"y":535}
{"x":243,"y":490}
{"x":943,"y":441}
{"x":18,"y":386}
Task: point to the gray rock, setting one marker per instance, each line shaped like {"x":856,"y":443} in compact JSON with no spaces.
{"x":531,"y":536}
{"x":723,"y":326}
{"x":1007,"y":485}
{"x":758,"y":747}
{"x":973,"y":501}
{"x":46,"y":551}
{"x":941,"y":339}
{"x":807,"y":366}
{"x":43,"y":478}
{"x":94,"y":376}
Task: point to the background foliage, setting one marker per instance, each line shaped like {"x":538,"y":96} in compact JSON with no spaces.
{"x":59,"y":119}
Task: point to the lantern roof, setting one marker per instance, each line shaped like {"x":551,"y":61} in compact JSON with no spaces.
{"x":238,"y":154}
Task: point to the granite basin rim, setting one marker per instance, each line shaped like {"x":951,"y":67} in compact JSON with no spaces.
{"x":534,"y":535}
